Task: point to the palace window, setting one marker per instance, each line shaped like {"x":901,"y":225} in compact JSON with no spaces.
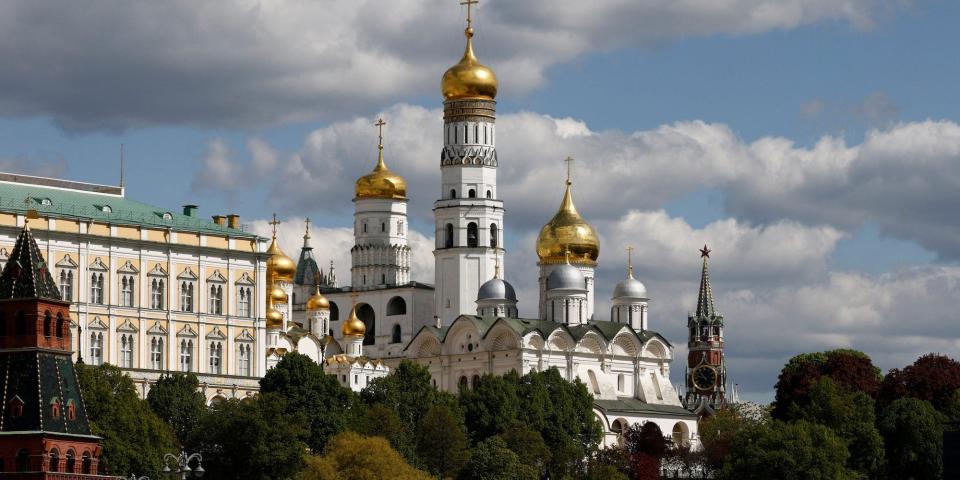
{"x":66,"y":285}
{"x":96,"y":348}
{"x":186,"y":355}
{"x":96,"y":288}
{"x":126,"y":290}
{"x":186,"y":296}
{"x":243,"y":301}
{"x":243,"y":359}
{"x":126,"y":351}
{"x":156,"y":294}
{"x":216,"y":357}
{"x":156,"y":353}
{"x":216,"y":299}
{"x":472,"y":234}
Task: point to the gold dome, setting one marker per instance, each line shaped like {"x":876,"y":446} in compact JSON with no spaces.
{"x":318,"y":301}
{"x":353,"y":326}
{"x":279,"y":264}
{"x":274,"y":318}
{"x":277,"y":295}
{"x":566,"y":232}
{"x":469,"y":78}
{"x":381,"y":182}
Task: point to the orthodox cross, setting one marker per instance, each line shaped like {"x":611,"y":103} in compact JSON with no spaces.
{"x":307,"y":222}
{"x":569,"y":161}
{"x":705,"y":252}
{"x":274,"y":223}
{"x":469,"y":3}
{"x":629,"y":261}
{"x":380,"y":123}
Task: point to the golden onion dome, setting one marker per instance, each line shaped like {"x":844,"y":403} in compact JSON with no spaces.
{"x":274,"y":318}
{"x":381,"y":182}
{"x":566,"y":232}
{"x":353,"y":326}
{"x":318,"y":302}
{"x":469,"y":78}
{"x":280,"y":267}
{"x":277,"y":295}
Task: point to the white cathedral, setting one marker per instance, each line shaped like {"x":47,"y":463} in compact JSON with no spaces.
{"x":466,"y":323}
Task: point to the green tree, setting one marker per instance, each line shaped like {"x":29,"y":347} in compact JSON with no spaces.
{"x":851,"y":369}
{"x":134,"y":438}
{"x":258,"y":438}
{"x":528,"y":445}
{"x":851,"y":416}
{"x":177,"y":400}
{"x":786,"y":451}
{"x":491,"y":404}
{"x":717,"y":433}
{"x":442,"y":441}
{"x":327,"y":406}
{"x":491,"y":459}
{"x":351,"y":456}
{"x":380,"y":421}
{"x":612,"y":463}
{"x":408,"y":391}
{"x":913,"y":435}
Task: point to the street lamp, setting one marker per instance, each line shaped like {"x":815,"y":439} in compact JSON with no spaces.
{"x":133,"y":476}
{"x":182,"y":465}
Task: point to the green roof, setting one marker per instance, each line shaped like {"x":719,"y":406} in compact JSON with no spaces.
{"x":636,"y":406}
{"x":21,"y":194}
{"x":523,"y":326}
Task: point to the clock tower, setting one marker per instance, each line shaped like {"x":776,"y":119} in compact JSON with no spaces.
{"x":706,"y":366}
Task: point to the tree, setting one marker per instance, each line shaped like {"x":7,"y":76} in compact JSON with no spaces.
{"x":528,"y":445}
{"x":134,"y":438}
{"x":851,"y":416}
{"x":380,"y":421}
{"x":491,"y":405}
{"x":913,"y":435}
{"x":177,"y":400}
{"x":717,"y":433}
{"x":932,"y":377}
{"x":351,"y":456}
{"x":491,"y":459}
{"x":852,"y":370}
{"x":787,"y":451}
{"x":327,"y":406}
{"x":646,"y":445}
{"x":408,"y":391}
{"x":609,"y":463}
{"x":259,"y":438}
{"x":442,"y":441}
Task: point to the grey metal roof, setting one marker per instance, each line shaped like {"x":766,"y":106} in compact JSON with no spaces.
{"x":566,"y":277}
{"x":630,"y":288}
{"x":496,"y":289}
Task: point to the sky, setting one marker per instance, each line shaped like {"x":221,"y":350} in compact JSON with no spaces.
{"x":814,"y":145}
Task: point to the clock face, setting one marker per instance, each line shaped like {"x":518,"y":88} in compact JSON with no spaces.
{"x":704,"y":377}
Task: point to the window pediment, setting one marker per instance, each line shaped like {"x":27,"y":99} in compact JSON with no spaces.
{"x":127,"y":326}
{"x":157,"y":329}
{"x":216,"y":277}
{"x":66,"y":262}
{"x":216,"y":334}
{"x":98,"y":264}
{"x":245,"y":280}
{"x":97,"y":324}
{"x":244,"y":336}
{"x":187,"y":331}
{"x":157,"y":271}
{"x":187,"y":274}
{"x":128,"y":267}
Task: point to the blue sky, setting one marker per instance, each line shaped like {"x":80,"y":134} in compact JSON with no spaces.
{"x":833,"y":104}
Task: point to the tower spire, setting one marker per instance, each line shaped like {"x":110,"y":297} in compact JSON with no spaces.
{"x":629,"y":261}
{"x":705,"y":300}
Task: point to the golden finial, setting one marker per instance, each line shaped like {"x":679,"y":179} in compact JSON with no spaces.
{"x":566,"y":256}
{"x":629,"y":261}
{"x":569,"y":161}
{"x":469,"y":4}
{"x":380,"y":123}
{"x":274,"y":223}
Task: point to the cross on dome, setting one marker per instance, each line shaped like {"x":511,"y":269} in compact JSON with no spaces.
{"x":629,"y":261}
{"x":469,"y":3}
{"x":274,"y":224}
{"x":380,"y":123}
{"x":569,"y":161}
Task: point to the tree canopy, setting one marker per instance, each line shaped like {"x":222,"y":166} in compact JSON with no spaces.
{"x":351,"y":456}
{"x":913,"y":436}
{"x":492,"y":459}
{"x":851,"y":369}
{"x":176,"y":399}
{"x":934,"y":378}
{"x":793,"y":451}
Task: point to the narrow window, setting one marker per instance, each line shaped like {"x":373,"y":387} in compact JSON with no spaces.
{"x":453,"y":193}
{"x":494,"y":235}
{"x":448,"y":238}
{"x":472,"y":193}
{"x":472,"y":234}
{"x":489,"y":194}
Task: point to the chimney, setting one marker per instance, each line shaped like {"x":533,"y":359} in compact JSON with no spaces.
{"x":190,"y":210}
{"x":220,"y":220}
{"x":233,"y":221}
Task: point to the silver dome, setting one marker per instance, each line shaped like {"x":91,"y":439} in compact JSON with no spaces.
{"x":496,"y":289}
{"x":630,"y":288}
{"x":567,"y":277}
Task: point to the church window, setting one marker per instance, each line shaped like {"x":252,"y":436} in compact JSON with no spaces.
{"x":334,"y":312}
{"x":489,"y":194}
{"x":494,"y":234}
{"x":383,"y":279}
{"x":472,"y":193}
{"x":471,"y":234}
{"x":216,"y":299}
{"x":186,"y":296}
{"x":216,"y":357}
{"x":96,"y":288}
{"x":383,"y":226}
{"x":23,"y":460}
{"x":85,"y":463}
{"x":399,"y":227}
{"x":66,"y":285}
{"x":476,"y":133}
{"x":71,"y":410}
{"x":54,"y":460}
{"x":46,"y":324}
{"x":620,"y":383}
{"x":356,"y":379}
{"x":397,"y":306}
{"x":448,"y":237}
{"x":96,"y":348}
{"x":156,"y":353}
{"x":364,"y":228}
{"x":484,"y":134}
{"x":60,"y":324}
{"x":126,"y":351}
{"x":71,"y":461}
{"x":364,"y":278}
{"x":396,"y":337}
{"x":156,"y":294}
{"x":16,"y":407}
{"x":186,"y":355}
{"x":453,"y":193}
{"x":126,"y":290}
{"x":464,"y":383}
{"x":243,"y":359}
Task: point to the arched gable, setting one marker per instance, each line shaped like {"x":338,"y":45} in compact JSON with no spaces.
{"x":626,"y":344}
{"x":462,"y":337}
{"x":425,"y":346}
{"x":560,"y":340}
{"x":502,"y":337}
{"x":534,"y":340}
{"x":654,"y":348}
{"x":592,"y":343}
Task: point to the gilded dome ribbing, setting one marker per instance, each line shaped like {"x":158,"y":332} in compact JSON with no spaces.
{"x":381,"y":182}
{"x":353,"y":326}
{"x":566,"y":232}
{"x":280,"y":267}
{"x":317,"y":301}
{"x":469,"y":78}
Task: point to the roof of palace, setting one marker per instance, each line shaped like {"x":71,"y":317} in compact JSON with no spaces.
{"x":635,"y":406}
{"x":67,"y":199}
{"x":26,"y":274}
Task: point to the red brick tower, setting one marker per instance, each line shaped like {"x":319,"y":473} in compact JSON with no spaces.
{"x":706,"y":367}
{"x":44,"y":431}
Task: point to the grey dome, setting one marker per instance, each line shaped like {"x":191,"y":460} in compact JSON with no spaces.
{"x":630,"y":288}
{"x":496,"y":289}
{"x":567,"y":277}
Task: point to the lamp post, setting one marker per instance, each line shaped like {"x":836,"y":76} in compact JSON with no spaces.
{"x":181,"y":465}
{"x":135,"y":477}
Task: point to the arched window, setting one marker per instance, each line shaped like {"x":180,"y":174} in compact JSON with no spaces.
{"x":54,"y":460}
{"x":464,"y":383}
{"x":96,"y":348}
{"x":156,"y":294}
{"x":366,"y":314}
{"x":448,"y":236}
{"x":126,"y":351}
{"x":472,"y":234}
{"x":23,"y":460}
{"x":156,"y":353}
{"x":475,"y":381}
{"x":681,"y":435}
{"x":216,"y":299}
{"x":46,"y":324}
{"x":243,"y":359}
{"x":86,"y":463}
{"x":66,"y":285}
{"x":186,"y":355}
{"x":126,"y":291}
{"x":334,"y":312}
{"x":59,"y":325}
{"x":216,"y":357}
{"x":489,"y":194}
{"x":472,"y":193}
{"x":620,"y":383}
{"x":453,"y":193}
{"x":243,"y":301}
{"x":186,"y":296}
{"x":96,"y":288}
{"x":494,"y":235}
{"x":396,"y":336}
{"x":397,"y":306}
{"x":71,"y":461}
{"x":383,"y":226}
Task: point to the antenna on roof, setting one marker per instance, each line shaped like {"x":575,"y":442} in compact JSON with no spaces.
{"x":121,"y":165}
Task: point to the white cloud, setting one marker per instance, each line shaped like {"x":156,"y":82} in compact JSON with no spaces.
{"x":113,"y":65}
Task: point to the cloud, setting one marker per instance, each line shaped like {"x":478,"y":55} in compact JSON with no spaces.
{"x":243,"y":63}
{"x":877,"y":109}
